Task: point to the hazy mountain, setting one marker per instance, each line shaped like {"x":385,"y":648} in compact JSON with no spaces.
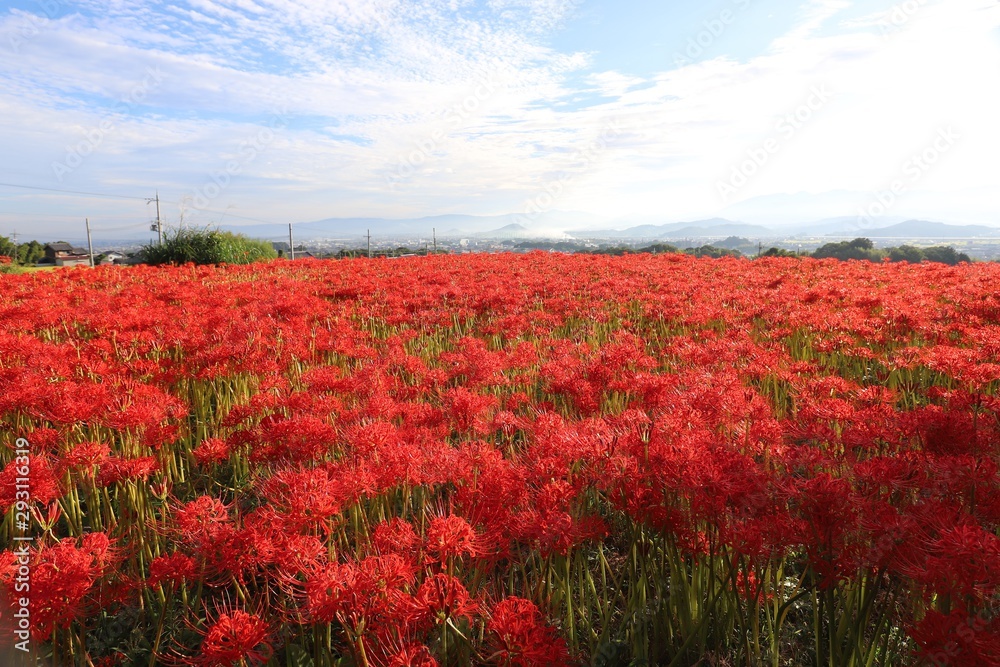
{"x":519,"y":231}
{"x":794,"y":209}
{"x":849,"y":225}
{"x":548,"y":224}
{"x":359,"y":227}
{"x":554,"y":225}
{"x":722,"y":231}
{"x":714,"y":227}
{"x":924,"y":229}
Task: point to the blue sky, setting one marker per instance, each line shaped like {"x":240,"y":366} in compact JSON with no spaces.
{"x":768,"y":111}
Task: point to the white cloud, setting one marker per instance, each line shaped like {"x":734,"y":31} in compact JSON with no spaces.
{"x":367,"y":84}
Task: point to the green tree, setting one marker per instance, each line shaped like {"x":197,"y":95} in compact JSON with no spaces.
{"x":712,"y":251}
{"x":945,"y":255}
{"x":860,"y":249}
{"x":779,"y":252}
{"x":7,"y":248}
{"x":660,"y":248}
{"x":30,"y":253}
{"x":906,"y":253}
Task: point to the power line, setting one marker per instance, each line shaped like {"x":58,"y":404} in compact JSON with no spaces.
{"x":72,"y":216}
{"x":71,"y":192}
{"x":98,"y":194}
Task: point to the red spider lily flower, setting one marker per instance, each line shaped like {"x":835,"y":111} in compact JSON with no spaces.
{"x":211,"y":451}
{"x":293,"y":554}
{"x":439,"y":598}
{"x":175,"y":568}
{"x":306,"y":499}
{"x":296,"y":440}
{"x":86,"y":455}
{"x":200,"y":521}
{"x":413,"y":655}
{"x":957,"y":639}
{"x":47,"y":521}
{"x":396,"y":536}
{"x":62,"y":579}
{"x":962,"y":560}
{"x":469,"y":410}
{"x":555,"y":532}
{"x":451,"y":537}
{"x":519,"y":636}
{"x":232,"y":637}
{"x":357,"y":594}
{"x":115,"y":470}
{"x":43,"y":484}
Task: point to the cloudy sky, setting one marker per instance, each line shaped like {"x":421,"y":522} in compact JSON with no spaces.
{"x":649,"y":110}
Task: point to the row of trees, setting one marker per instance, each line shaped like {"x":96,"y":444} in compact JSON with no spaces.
{"x":22,"y":253}
{"x":213,"y":247}
{"x":864,"y":249}
{"x":207,"y":246}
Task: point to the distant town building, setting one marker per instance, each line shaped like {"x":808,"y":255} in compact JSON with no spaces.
{"x":282,"y":248}
{"x":63,"y":254}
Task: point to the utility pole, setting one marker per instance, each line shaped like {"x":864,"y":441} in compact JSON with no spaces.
{"x":13,"y":237}
{"x":90,"y":245}
{"x":291,"y":243}
{"x":369,"y":244}
{"x":159,"y":225}
{"x":435,"y":237}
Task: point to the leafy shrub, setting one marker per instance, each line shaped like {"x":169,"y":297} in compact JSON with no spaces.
{"x":8,"y":265}
{"x":207,"y":246}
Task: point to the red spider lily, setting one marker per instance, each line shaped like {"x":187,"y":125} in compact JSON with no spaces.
{"x":48,"y":521}
{"x":115,"y":470}
{"x":661,"y":420}
{"x":451,"y":537}
{"x":211,"y":451}
{"x":297,"y":439}
{"x":86,"y":455}
{"x":358,"y":593}
{"x":396,"y":536}
{"x":469,"y":410}
{"x":175,"y":568}
{"x":957,"y":639}
{"x":43,"y":484}
{"x":519,"y":636}
{"x":438,"y":599}
{"x":306,"y":499}
{"x":413,"y":655}
{"x":201,"y":519}
{"x":231,"y":637}
{"x":62,"y":579}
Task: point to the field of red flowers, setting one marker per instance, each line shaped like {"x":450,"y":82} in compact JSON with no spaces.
{"x":502,"y":459}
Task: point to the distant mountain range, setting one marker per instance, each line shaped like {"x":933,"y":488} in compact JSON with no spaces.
{"x":720,"y":228}
{"x":569,"y":225}
{"x":715,"y":227}
{"x":547,"y":225}
{"x":929,"y":230}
